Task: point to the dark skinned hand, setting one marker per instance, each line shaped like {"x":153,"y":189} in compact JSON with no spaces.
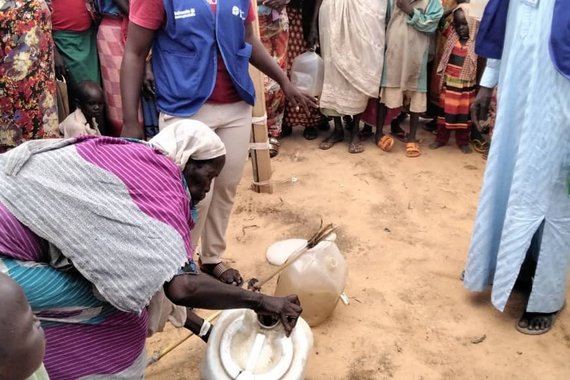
{"x":60,"y":68}
{"x":149,"y":90}
{"x":313,"y":38}
{"x":298,"y":99}
{"x":480,"y":107}
{"x":288,"y":309}
{"x":405,"y":6}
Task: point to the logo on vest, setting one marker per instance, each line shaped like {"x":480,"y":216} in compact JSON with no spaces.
{"x":185,"y":13}
{"x":238,"y":12}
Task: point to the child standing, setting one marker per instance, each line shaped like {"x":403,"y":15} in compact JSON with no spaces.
{"x":458,"y":67}
{"x":86,"y":118}
{"x":404,"y":79}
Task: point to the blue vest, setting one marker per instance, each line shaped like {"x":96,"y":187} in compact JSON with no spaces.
{"x":184,"y":55}
{"x":491,"y":35}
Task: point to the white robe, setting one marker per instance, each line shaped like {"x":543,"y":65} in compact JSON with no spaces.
{"x":526,"y":180}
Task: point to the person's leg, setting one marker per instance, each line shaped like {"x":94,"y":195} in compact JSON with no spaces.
{"x":414,"y":124}
{"x":534,"y":323}
{"x":462,"y":140}
{"x":232,"y":123}
{"x":395,"y":128}
{"x":417,"y":107}
{"x":355,"y":146}
{"x":442,"y":137}
{"x":381,"y":112}
{"x":336,"y":136}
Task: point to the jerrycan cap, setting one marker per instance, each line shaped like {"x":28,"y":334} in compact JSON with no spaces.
{"x":245,"y":368}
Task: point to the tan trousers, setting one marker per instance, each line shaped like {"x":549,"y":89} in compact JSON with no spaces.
{"x":232,"y":123}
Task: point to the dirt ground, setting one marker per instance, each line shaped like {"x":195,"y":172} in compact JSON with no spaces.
{"x":404,"y":228}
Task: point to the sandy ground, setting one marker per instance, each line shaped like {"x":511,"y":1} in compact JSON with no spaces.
{"x":404,"y":227}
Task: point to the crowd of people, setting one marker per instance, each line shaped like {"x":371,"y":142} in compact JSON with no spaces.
{"x":172,"y":79}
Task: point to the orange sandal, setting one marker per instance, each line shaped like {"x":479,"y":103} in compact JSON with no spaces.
{"x":413,"y":150}
{"x":386,"y":143}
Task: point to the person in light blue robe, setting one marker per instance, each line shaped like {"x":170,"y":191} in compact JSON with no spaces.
{"x":525,"y":194}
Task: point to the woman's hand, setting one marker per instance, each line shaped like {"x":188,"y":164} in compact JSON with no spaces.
{"x":405,"y":6}
{"x":60,"y":68}
{"x":297,"y":98}
{"x":148,"y":90}
{"x":288,"y":309}
{"x":480,"y":107}
{"x":313,"y":37}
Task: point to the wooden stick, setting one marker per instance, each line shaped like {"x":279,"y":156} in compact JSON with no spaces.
{"x":260,"y":159}
{"x":319,"y":236}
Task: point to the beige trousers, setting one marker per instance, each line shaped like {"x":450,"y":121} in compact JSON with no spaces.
{"x":232,"y":123}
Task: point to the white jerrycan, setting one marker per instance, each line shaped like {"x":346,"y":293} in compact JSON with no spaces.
{"x":308,"y":73}
{"x":318,"y":277}
{"x":241,"y":347}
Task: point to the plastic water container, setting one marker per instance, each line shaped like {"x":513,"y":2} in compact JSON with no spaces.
{"x":308,"y":73}
{"x":242,"y":347}
{"x":318,"y":277}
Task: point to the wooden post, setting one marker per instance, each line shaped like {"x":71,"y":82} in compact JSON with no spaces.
{"x":260,"y":159}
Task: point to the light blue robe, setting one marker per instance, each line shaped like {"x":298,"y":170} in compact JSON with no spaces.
{"x":526,"y":180}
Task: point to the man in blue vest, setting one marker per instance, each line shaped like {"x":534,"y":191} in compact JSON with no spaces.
{"x":524,"y":210}
{"x":201,"y":51}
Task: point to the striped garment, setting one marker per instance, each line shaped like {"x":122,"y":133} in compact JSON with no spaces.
{"x":457,"y":94}
{"x":120,"y":212}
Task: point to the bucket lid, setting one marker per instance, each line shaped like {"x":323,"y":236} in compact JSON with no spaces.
{"x":259,"y":360}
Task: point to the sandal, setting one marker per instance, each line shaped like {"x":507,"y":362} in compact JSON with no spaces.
{"x":386,"y":143}
{"x":273,"y":146}
{"x":310,"y":133}
{"x":480,"y":146}
{"x":329,"y":142}
{"x":355,"y":147}
{"x":218,"y":270}
{"x":413,"y":150}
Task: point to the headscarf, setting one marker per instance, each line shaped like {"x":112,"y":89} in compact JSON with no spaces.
{"x":188,"y":139}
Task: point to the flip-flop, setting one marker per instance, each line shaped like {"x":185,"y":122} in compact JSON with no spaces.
{"x":480,"y":146}
{"x":386,"y":143}
{"x":329,"y":142}
{"x":310,"y":133}
{"x":355,"y":147}
{"x":527,"y":331}
{"x":413,"y":150}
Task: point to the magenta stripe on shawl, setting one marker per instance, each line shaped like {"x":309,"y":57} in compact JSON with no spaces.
{"x":153,"y":181}
{"x":76,"y":350}
{"x":16,"y":240}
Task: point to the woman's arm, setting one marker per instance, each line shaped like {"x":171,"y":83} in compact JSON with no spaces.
{"x":202,"y":291}
{"x":139,"y":41}
{"x":313,"y":38}
{"x":261,"y":59}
